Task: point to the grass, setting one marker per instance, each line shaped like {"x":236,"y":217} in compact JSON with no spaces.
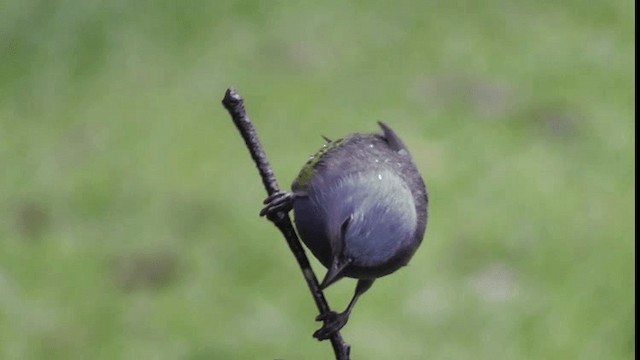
{"x":128,"y":204}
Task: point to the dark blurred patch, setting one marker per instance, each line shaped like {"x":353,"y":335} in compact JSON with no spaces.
{"x":492,"y":99}
{"x":145,"y":271}
{"x":555,"y":120}
{"x":482,"y":96}
{"x":31,"y":219}
{"x":191,"y":217}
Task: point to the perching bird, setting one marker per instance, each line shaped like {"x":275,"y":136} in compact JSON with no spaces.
{"x":360,"y":206}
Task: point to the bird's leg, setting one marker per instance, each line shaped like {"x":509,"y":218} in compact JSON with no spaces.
{"x":278,"y":202}
{"x":334,"y":321}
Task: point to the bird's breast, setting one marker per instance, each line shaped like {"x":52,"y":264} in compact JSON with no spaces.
{"x":378,"y":210}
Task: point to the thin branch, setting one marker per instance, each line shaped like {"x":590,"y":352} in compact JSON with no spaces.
{"x":234,"y":104}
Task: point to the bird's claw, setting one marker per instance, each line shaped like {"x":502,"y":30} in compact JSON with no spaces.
{"x":333,"y":322}
{"x":278,"y":202}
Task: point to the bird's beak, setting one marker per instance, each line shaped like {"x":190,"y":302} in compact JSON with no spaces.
{"x":334,"y":273}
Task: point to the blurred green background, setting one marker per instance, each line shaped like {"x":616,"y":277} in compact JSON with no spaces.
{"x":128,"y":202}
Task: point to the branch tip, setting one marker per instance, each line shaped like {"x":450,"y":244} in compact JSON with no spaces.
{"x":231,"y":98}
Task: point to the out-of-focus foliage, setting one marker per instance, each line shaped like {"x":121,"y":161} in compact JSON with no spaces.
{"x":128,"y":203}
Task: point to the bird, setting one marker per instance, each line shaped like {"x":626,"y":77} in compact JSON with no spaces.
{"x":360,"y":206}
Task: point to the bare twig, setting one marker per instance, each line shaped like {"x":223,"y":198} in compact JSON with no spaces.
{"x":234,"y":104}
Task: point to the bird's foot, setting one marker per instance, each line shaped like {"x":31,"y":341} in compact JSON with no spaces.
{"x":276,"y":203}
{"x":333,"y":322}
